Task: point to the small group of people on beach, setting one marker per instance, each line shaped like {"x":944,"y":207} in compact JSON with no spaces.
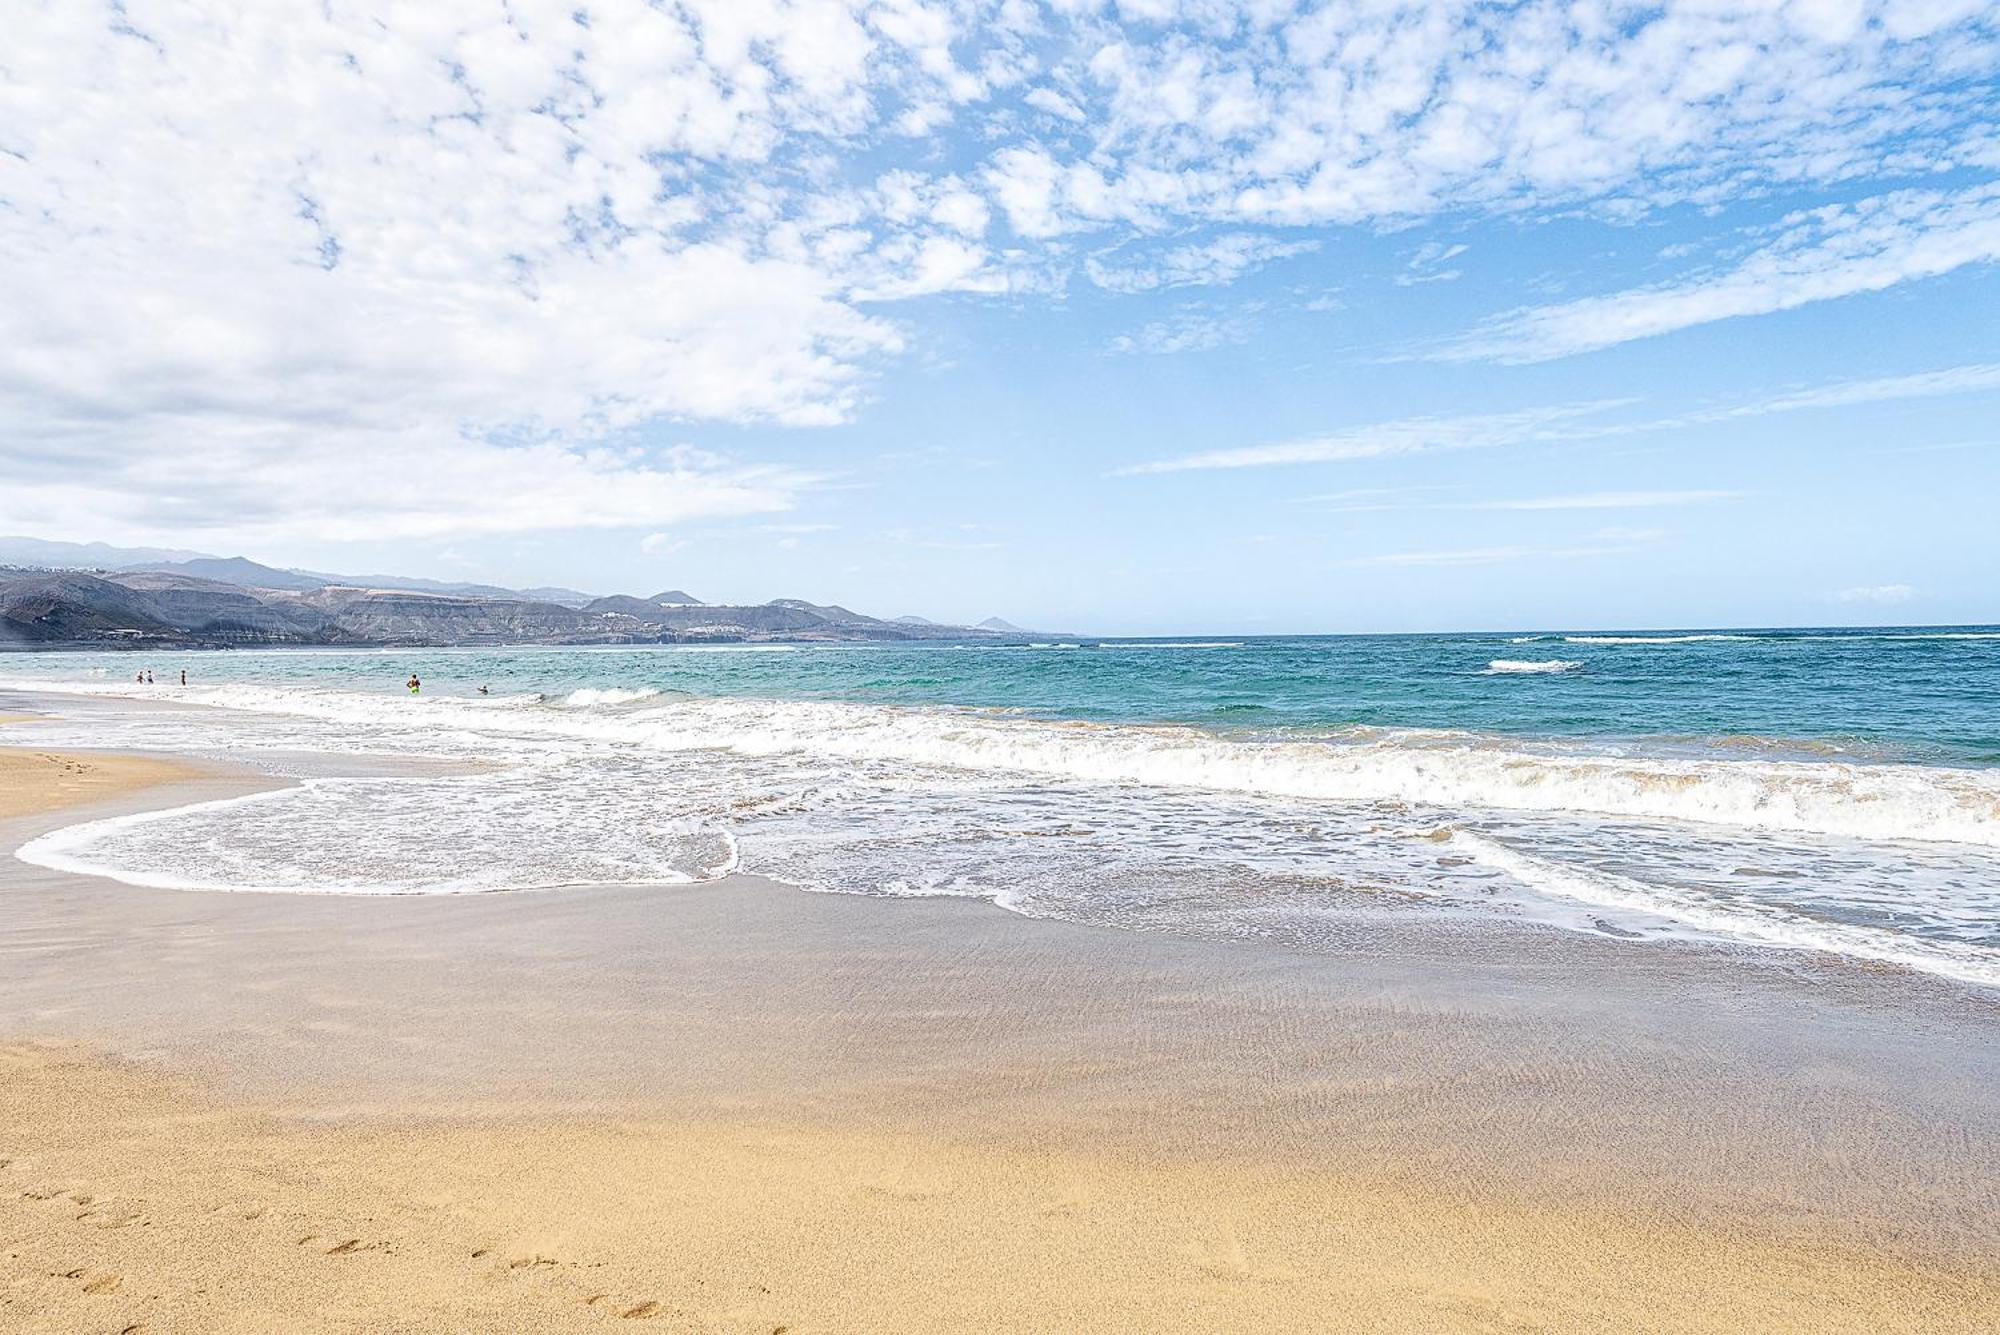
{"x":145,"y":677}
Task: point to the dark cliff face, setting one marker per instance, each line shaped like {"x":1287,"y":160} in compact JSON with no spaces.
{"x":71,"y":607}
{"x":213,"y":610}
{"x":68,"y":605}
{"x":48,"y":608}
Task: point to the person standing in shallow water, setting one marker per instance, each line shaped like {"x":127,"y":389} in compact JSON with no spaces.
{"x":415,"y":685}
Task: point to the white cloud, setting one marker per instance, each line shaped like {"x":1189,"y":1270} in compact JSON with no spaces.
{"x":1223,"y":259}
{"x":1973,"y":378}
{"x":1054,"y":103}
{"x":1818,"y":255}
{"x":1604,"y":500}
{"x":418,"y":272}
{"x":1427,"y":265}
{"x":453,"y":267}
{"x":1564,"y":422}
{"x":1483,"y":556}
{"x":1876,"y":593}
{"x":1188,"y":331}
{"x":1302,"y":114}
{"x":1411,"y":435}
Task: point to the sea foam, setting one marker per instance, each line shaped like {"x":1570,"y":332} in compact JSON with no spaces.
{"x":1461,"y":770}
{"x":1154,"y":827}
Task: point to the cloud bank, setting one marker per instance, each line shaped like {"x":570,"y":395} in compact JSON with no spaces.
{"x":348,"y":269}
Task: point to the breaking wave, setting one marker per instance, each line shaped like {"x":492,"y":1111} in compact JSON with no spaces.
{"x":588,"y":696}
{"x":1457,"y":769}
{"x":1516,"y":666}
{"x":1761,"y":840}
{"x":1656,"y":639}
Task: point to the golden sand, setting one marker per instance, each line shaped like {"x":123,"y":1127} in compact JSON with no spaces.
{"x":32,"y":781}
{"x":130,"y":1202}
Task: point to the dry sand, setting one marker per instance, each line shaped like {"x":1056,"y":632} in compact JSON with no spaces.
{"x":129,"y":1202}
{"x":34,"y":781}
{"x":739,"y":1108}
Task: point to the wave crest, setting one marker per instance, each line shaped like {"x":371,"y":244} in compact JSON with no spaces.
{"x":590,"y":696}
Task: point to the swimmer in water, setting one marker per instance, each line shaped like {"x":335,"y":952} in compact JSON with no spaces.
{"x":415,"y":685}
{"x":484,"y":691}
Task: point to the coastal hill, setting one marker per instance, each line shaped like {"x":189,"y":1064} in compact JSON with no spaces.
{"x":195,"y":601}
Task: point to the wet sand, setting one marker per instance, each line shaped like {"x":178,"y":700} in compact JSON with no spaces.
{"x":742,"y":1107}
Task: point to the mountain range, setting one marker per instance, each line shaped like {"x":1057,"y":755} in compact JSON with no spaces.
{"x":90,"y":594}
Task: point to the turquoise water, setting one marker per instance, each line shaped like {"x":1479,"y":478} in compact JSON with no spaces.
{"x":1917,"y":694}
{"x":1832,"y":795}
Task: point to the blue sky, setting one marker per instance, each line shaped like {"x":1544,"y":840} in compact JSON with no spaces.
{"x":1139,"y":317}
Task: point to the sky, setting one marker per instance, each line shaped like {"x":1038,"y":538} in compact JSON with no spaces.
{"x":1117,"y":316}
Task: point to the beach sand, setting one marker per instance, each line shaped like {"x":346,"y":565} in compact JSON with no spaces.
{"x":36,"y":781}
{"x":134,"y":1202}
{"x":739,"y":1107}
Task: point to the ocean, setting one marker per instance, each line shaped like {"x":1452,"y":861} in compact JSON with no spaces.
{"x":1834,"y":792}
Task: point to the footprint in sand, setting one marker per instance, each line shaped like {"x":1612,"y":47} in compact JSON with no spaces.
{"x":238,"y":1210}
{"x":626,"y":1308}
{"x":109,"y":1214}
{"x":101,"y":1281}
{"x":1488,"y":1311}
{"x":1221,"y":1255}
{"x":1073,"y":1201}
{"x":905,"y":1184}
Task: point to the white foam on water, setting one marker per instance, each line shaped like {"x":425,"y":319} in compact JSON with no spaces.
{"x":1502,"y":667}
{"x":586,"y":697}
{"x":1168,"y":828}
{"x":1177,"y":644}
{"x":1459,"y":770}
{"x":1741,"y":920}
{"x":469,"y":835}
{"x":1657,"y":639}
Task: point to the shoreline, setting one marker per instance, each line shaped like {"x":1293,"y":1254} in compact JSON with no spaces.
{"x":1424,"y":1134}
